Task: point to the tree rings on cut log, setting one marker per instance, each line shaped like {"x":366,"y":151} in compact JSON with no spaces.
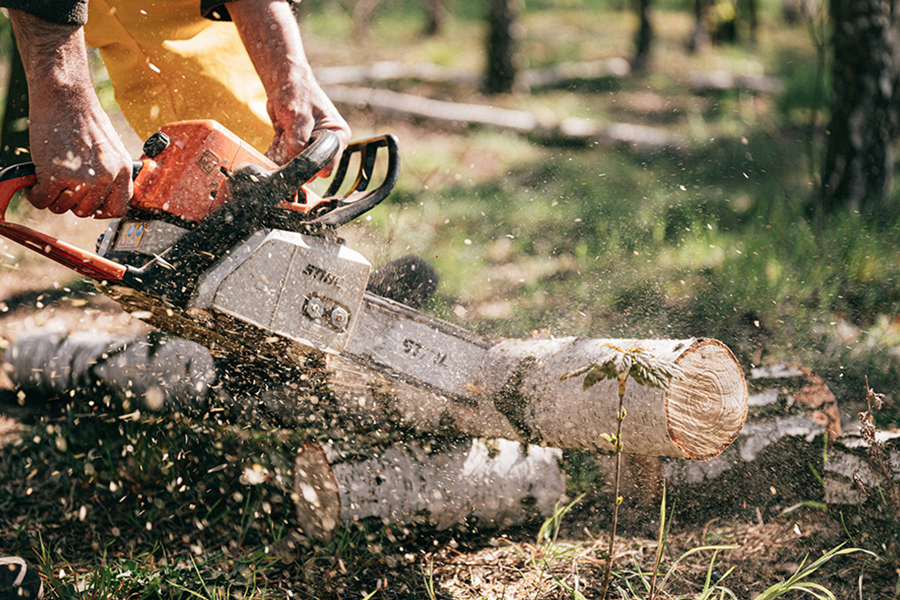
{"x":494,"y":483}
{"x":706,"y":410}
{"x":696,"y":418}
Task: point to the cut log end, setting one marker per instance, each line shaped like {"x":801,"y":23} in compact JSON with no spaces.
{"x":706,"y":410}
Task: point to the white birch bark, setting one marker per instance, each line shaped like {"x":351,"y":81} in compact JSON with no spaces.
{"x":494,"y":483}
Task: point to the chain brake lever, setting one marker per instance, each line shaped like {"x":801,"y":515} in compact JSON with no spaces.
{"x":358,"y":199}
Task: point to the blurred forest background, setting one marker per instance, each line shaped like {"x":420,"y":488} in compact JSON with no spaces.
{"x":668,"y":168}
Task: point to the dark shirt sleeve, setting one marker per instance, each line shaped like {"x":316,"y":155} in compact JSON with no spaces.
{"x":215,"y":10}
{"x":69,"y":12}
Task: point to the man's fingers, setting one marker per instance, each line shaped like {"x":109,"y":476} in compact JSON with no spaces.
{"x":41,"y":196}
{"x":116,"y":202}
{"x":66,"y":199}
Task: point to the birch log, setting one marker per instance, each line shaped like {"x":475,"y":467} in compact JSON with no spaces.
{"x":494,"y":483}
{"x":517,"y":395}
{"x":513,"y":392}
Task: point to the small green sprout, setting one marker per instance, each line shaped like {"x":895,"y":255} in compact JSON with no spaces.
{"x":621,"y":365}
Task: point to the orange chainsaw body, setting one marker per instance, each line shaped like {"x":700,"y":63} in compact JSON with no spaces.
{"x":190,"y":179}
{"x":220,"y":189}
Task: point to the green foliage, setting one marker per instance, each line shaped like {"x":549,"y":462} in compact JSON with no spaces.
{"x":799,"y":581}
{"x":637,"y":364}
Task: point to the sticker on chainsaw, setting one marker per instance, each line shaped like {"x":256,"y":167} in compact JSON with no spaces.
{"x":132,"y":236}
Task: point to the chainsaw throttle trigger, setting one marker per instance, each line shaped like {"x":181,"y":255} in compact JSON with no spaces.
{"x":358,"y":199}
{"x":18,"y":177}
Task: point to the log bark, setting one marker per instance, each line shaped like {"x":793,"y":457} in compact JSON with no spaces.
{"x":515,"y":393}
{"x":487,"y":483}
{"x":849,"y":466}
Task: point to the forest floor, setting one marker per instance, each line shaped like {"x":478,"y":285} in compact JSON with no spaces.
{"x":86,"y":494}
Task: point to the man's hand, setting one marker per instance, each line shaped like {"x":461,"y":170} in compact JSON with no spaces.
{"x":296,"y":103}
{"x":80,"y":163}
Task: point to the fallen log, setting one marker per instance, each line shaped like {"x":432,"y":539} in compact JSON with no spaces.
{"x":515,"y":391}
{"x":462,"y":115}
{"x":547,"y":77}
{"x":456,"y":114}
{"x":488,"y":483}
{"x":850,"y":476}
{"x":390,"y":71}
{"x":720,"y":81}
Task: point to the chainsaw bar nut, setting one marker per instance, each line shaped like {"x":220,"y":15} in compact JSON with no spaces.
{"x":315,"y":308}
{"x":340,"y":317}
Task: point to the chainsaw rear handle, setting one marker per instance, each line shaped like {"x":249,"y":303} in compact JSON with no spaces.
{"x":18,"y":177}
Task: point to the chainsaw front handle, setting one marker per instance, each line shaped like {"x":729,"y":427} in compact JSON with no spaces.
{"x":18,"y":177}
{"x":269,"y":187}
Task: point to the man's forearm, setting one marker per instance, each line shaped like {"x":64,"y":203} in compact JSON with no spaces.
{"x":54,"y":56}
{"x":271,"y":36}
{"x":296,"y":103}
{"x":80,"y":162}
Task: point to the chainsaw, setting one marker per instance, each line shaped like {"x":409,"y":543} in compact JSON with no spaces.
{"x":221,"y":246}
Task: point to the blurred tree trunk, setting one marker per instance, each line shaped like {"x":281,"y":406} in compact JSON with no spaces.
{"x":859,"y":160}
{"x":362,"y":17}
{"x":644,"y":37}
{"x":14,"y":133}
{"x":752,"y":18}
{"x":794,"y":11}
{"x":501,"y":47}
{"x":435,"y":13}
{"x":700,"y":37}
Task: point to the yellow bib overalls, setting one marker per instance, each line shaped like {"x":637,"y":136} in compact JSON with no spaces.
{"x":167,"y":63}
